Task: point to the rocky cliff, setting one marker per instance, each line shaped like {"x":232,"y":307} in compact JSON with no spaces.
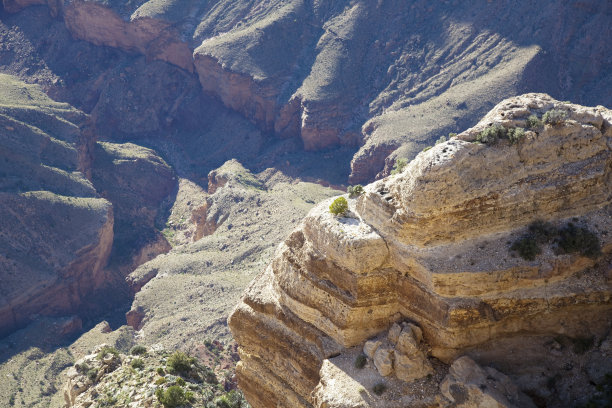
{"x":326,"y":74}
{"x":493,"y":245}
{"x":57,"y":232}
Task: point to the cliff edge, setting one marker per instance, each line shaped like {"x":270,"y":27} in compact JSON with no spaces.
{"x":489,"y":249}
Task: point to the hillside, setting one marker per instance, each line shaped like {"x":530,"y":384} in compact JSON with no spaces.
{"x":153,"y":155}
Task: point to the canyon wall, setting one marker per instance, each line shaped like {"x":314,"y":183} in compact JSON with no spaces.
{"x":384,"y":78}
{"x":57,"y":233}
{"x":433,"y":245}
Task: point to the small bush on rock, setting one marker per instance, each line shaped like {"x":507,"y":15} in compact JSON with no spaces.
{"x":570,"y":239}
{"x":179,"y":362}
{"x":554,"y":117}
{"x":137,"y":363}
{"x":527,"y":247}
{"x":442,"y":139}
{"x":492,"y":134}
{"x":233,"y":399}
{"x":339,"y":206}
{"x":138,"y":350}
{"x":173,"y":397}
{"x":107,"y":350}
{"x":575,"y":239}
{"x":355,"y":191}
{"x":515,"y":134}
{"x":92,"y":374}
{"x":533,"y":122}
{"x":399,"y":166}
{"x":361,"y":361}
{"x":379,"y":388}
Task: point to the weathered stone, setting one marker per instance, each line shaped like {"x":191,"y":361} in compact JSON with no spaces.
{"x":370,"y":347}
{"x":470,"y":386}
{"x":383,"y":361}
{"x":412,"y":367}
{"x":443,"y":226}
{"x":406,"y":342}
{"x":394,"y":333}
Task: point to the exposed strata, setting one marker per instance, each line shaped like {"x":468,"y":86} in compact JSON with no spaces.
{"x":155,"y":38}
{"x":325,"y":73}
{"x":431,"y":245}
{"x":57,"y":233}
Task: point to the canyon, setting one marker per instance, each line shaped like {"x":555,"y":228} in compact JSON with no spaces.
{"x":154,"y":154}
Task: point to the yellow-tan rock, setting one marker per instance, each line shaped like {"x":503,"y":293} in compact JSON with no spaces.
{"x":431,"y":245}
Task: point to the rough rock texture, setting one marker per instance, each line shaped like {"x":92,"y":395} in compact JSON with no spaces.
{"x":385,"y":77}
{"x":432,"y":245}
{"x":139,"y":184}
{"x":56,"y":233}
{"x":468,"y":385}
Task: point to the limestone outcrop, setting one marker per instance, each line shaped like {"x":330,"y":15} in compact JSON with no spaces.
{"x":438,"y":247}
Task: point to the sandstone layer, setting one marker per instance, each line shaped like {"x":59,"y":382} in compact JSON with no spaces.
{"x":432,"y":245}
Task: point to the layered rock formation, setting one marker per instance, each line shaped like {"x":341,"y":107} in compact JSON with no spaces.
{"x":57,"y":233}
{"x":432,"y":245}
{"x":325,"y":73}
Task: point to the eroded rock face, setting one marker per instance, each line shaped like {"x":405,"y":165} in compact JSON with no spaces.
{"x":432,"y":245}
{"x":325,"y":73}
{"x":138,"y":183}
{"x":57,"y":233}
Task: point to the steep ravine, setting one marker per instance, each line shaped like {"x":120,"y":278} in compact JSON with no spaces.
{"x":431,"y":248}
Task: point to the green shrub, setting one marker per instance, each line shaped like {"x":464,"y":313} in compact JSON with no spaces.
{"x":573,"y":239}
{"x":180,"y":362}
{"x":543,"y":231}
{"x":138,"y":350}
{"x":527,"y":247}
{"x":355,"y":191}
{"x":533,"y":122}
{"x":107,"y":350}
{"x":160,"y":381}
{"x":137,"y":363}
{"x":442,"y":139}
{"x":361,"y":361}
{"x":583,"y":344}
{"x":554,"y":117}
{"x":160,"y":371}
{"x":379,"y":388}
{"x":399,"y":166}
{"x":426,"y":148}
{"x":173,"y":397}
{"x":492,"y":134}
{"x":451,"y":135}
{"x":233,"y":399}
{"x":516,"y":134}
{"x":92,"y":374}
{"x":180,"y":381}
{"x":339,"y":206}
